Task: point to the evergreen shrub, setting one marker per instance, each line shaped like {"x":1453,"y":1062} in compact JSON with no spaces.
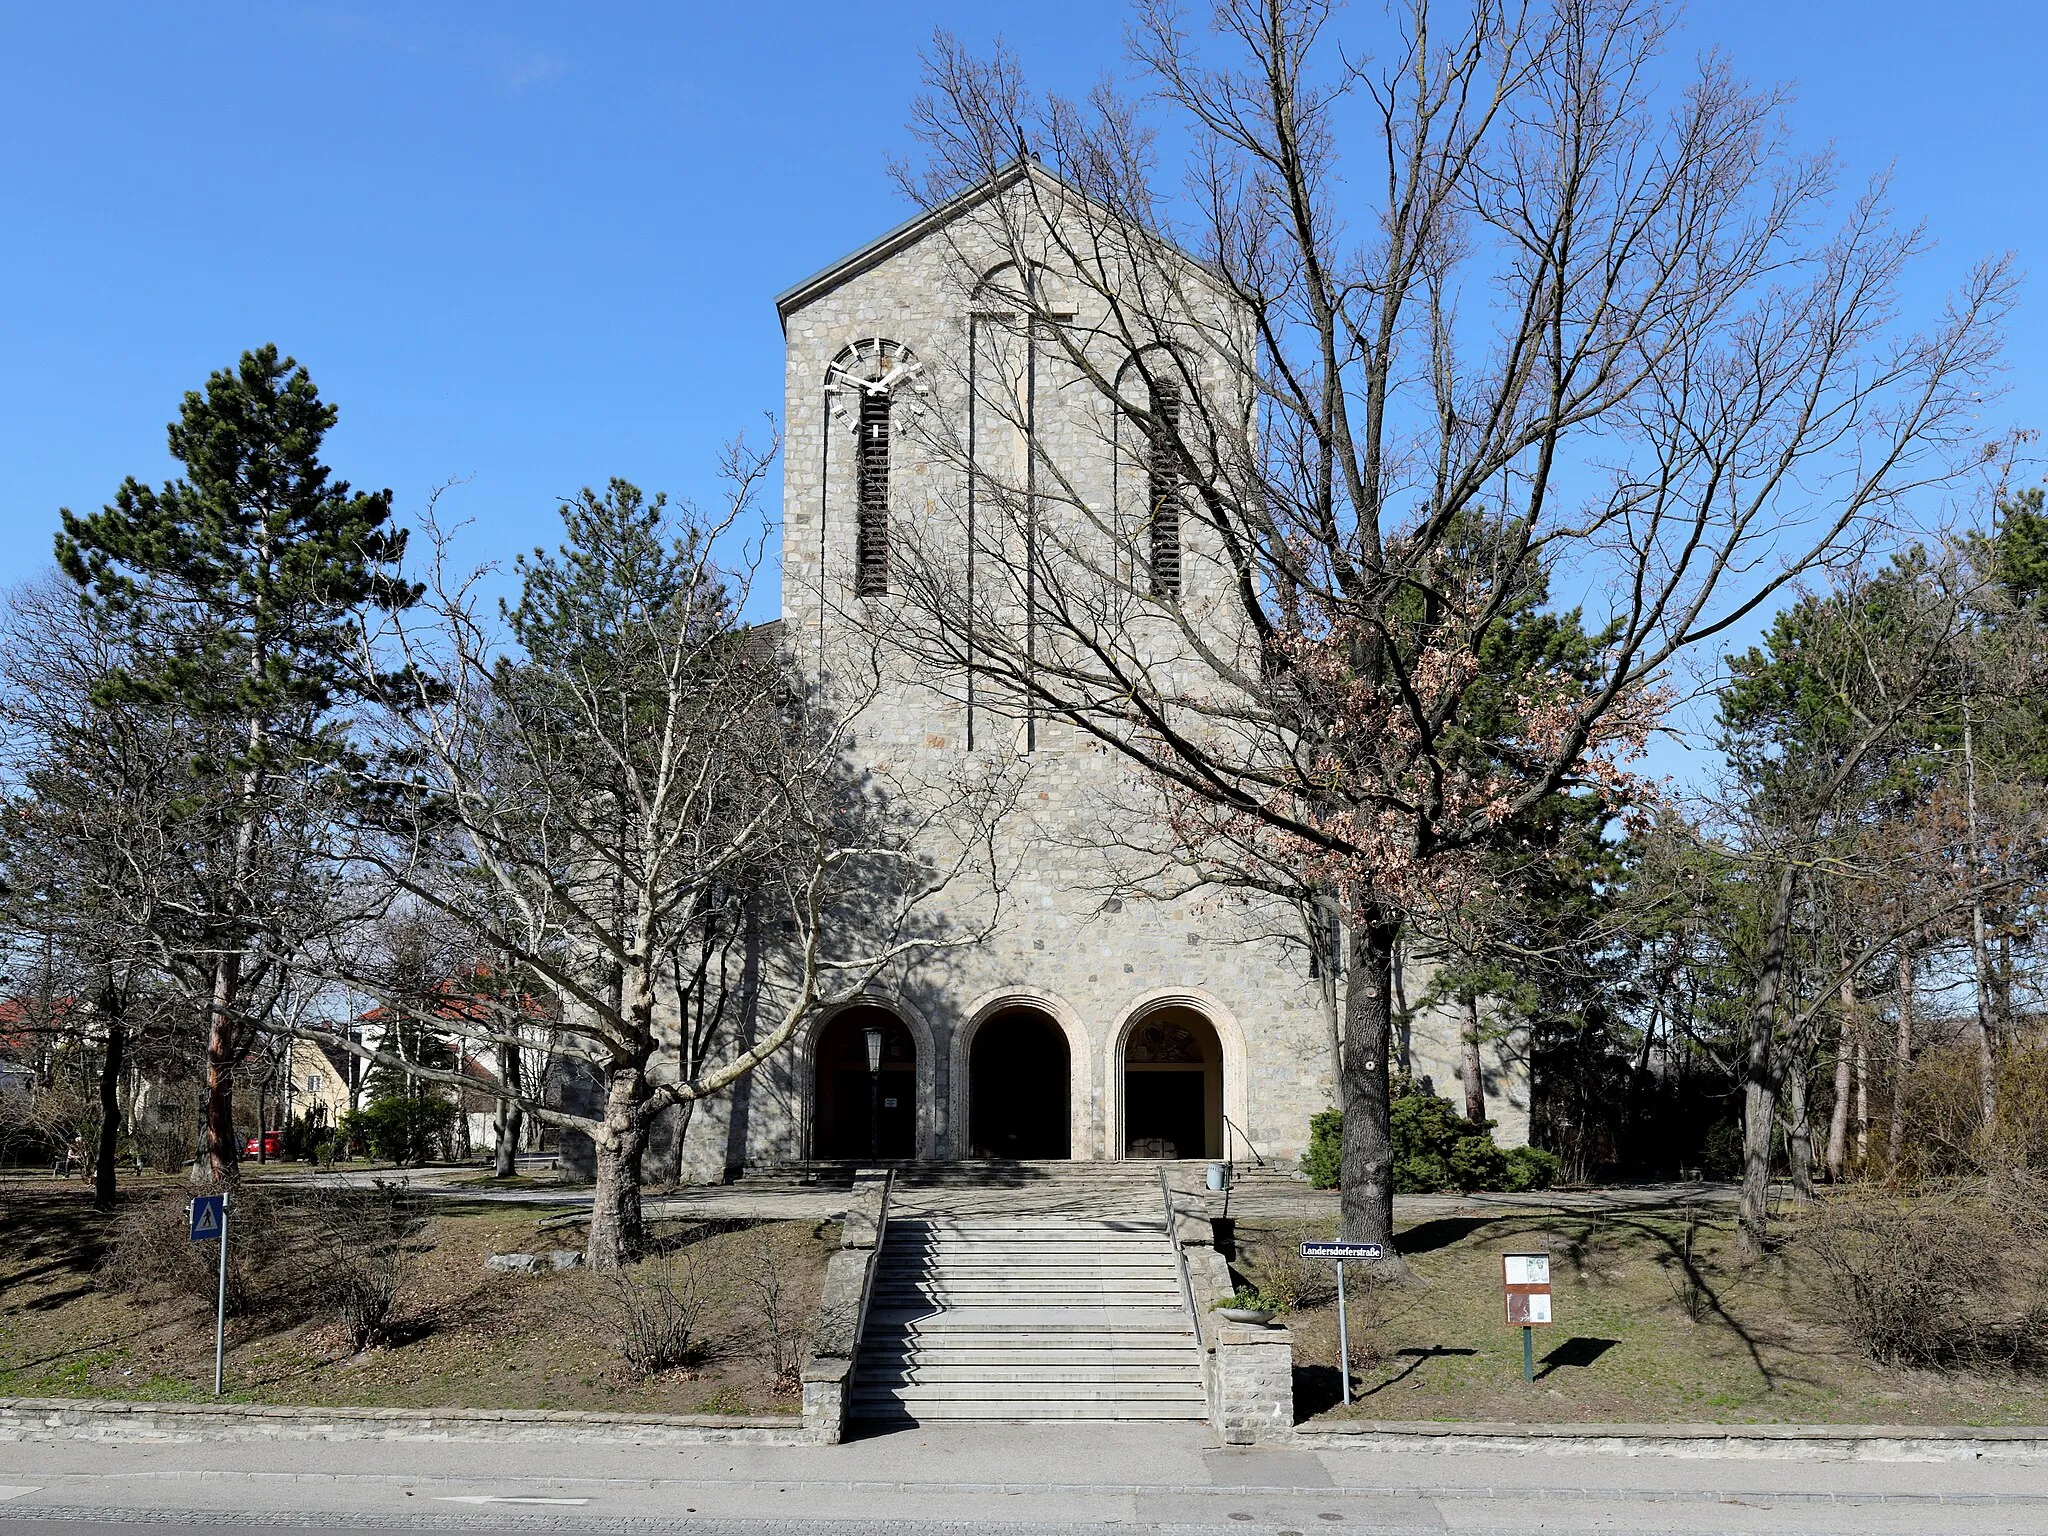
{"x":1435,"y":1148}
{"x":401,"y":1131}
{"x":1324,"y":1160}
{"x":1531,"y":1168}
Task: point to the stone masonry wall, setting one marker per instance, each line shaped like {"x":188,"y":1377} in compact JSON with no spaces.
{"x":1097,"y":965}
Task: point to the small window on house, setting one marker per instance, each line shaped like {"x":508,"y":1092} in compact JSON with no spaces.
{"x":1162,"y":523}
{"x":871,"y":467}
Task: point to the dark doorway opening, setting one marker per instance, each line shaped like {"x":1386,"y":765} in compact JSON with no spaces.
{"x":1173,"y":1087}
{"x":1019,"y":1079}
{"x":862,"y":1113}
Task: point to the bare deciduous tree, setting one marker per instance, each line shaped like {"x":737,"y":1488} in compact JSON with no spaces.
{"x":632,"y":775}
{"x":93,"y":836}
{"x":1482,"y":301}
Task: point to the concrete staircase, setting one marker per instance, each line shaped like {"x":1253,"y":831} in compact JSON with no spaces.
{"x":1021,"y":1314}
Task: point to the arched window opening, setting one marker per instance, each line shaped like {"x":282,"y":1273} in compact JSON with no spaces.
{"x":871,"y":467}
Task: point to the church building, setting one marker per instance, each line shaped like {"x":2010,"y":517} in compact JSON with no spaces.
{"x":1090,"y":1023}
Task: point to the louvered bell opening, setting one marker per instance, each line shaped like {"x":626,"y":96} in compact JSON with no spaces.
{"x":871,"y":575}
{"x":1163,"y":524}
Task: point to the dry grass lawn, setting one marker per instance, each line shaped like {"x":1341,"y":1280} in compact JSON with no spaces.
{"x":1654,"y":1323}
{"x":461,"y":1337}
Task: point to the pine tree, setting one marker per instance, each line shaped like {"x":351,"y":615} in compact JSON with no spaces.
{"x":254,"y":570}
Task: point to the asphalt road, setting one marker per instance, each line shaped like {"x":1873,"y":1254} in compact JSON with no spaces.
{"x":989,"y":1479}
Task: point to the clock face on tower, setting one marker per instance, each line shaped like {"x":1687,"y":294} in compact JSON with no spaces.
{"x":876,"y":366}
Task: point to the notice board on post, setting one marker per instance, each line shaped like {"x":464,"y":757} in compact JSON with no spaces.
{"x":1526,"y":1280}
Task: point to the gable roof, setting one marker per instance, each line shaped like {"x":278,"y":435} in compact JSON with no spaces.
{"x":916,"y":227}
{"x":904,"y":235}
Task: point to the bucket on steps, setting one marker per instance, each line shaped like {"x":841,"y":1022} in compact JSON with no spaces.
{"x":1219,"y":1176}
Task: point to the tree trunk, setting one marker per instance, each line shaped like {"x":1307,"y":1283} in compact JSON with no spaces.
{"x":616,"y":1233}
{"x":1470,"y":1069}
{"x":1862,"y":1101}
{"x":223,"y":1152}
{"x":462,"y":1148}
{"x":1987,"y":1063}
{"x":1845,"y":1052}
{"x":1980,"y":958}
{"x":223,"y":1156}
{"x":511,"y":1123}
{"x":1404,"y":1018}
{"x":1799,"y":1143}
{"x":1902,"y":1061}
{"x":1367,"y":1194}
{"x":1328,"y":940}
{"x":1760,"y":1078}
{"x":511,"y":1113}
{"x":110,"y":1101}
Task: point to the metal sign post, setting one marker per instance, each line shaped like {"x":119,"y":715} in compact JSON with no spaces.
{"x":1344,"y":1333}
{"x":209,"y":1218}
{"x":1526,"y":1279}
{"x":1340,"y":1252}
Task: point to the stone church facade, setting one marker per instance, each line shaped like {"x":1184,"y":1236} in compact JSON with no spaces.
{"x":1088,"y":1025}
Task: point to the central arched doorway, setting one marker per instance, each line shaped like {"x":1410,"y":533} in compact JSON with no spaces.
{"x":1019,"y":1077}
{"x":1173,"y":1086}
{"x":859,"y":1112}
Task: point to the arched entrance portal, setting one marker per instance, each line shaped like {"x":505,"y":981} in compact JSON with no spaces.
{"x":1173,"y":1086}
{"x":1019,"y":1076}
{"x":861,"y":1113}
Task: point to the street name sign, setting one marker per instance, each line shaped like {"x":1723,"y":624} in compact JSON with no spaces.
{"x":207,"y":1213}
{"x":1343,"y":1251}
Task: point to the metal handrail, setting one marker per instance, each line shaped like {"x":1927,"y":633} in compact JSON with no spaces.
{"x":1180,"y":1259}
{"x":1230,"y":1125}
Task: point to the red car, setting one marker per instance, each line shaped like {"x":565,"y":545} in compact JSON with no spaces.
{"x":273,"y":1145}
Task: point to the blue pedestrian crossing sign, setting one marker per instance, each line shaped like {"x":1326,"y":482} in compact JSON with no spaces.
{"x":207,"y":1215}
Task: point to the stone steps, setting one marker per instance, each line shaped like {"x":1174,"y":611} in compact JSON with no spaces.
{"x":1051,"y":1283}
{"x":1029,"y":1316}
{"x":1136,"y":1361}
{"x":1021,"y":1388}
{"x":1019,"y":1292}
{"x":992,"y":1174}
{"x":1111,"y":1321}
{"x":918,"y":1409}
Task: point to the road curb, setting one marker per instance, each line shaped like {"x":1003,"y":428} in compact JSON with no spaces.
{"x":1780,"y":1442}
{"x":57,"y":1418}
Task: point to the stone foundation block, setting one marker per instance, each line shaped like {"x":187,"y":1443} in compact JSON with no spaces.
{"x":1254,"y":1390}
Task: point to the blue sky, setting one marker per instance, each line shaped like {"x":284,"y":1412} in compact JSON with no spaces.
{"x":535,"y":245}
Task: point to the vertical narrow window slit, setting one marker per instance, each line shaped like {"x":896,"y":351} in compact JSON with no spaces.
{"x":871,"y":467}
{"x":1163,"y":491}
